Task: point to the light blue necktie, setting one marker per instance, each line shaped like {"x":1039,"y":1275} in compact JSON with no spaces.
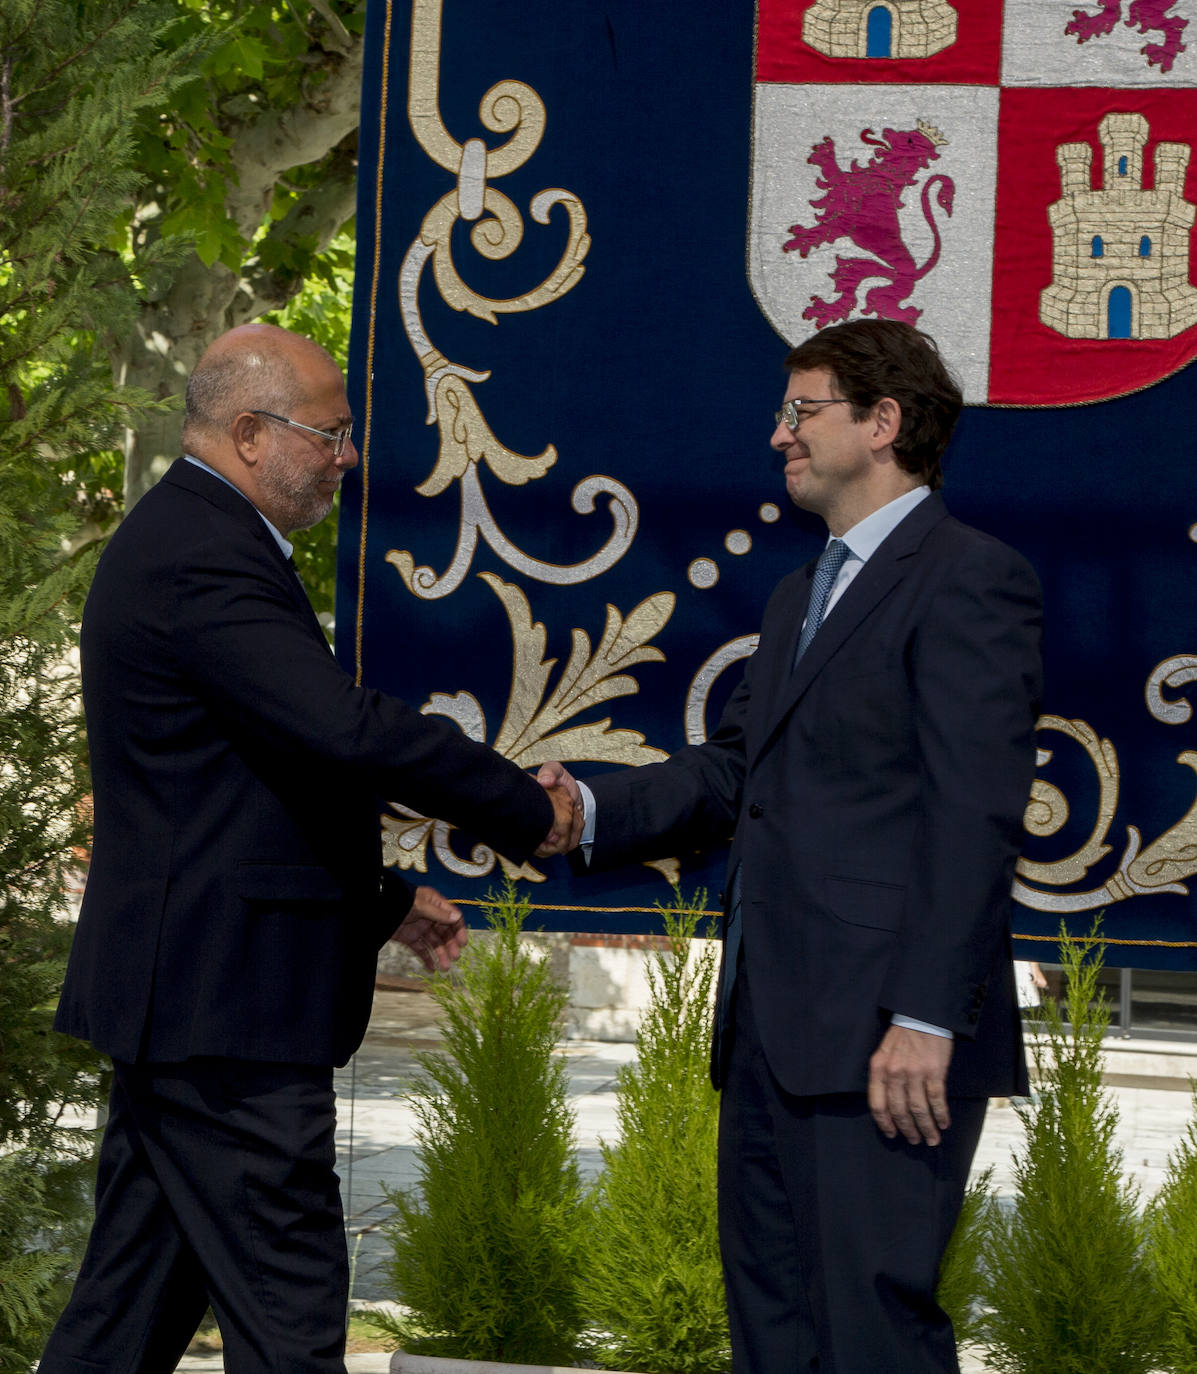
{"x":827,"y":569}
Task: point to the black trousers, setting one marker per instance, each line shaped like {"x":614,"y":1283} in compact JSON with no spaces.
{"x":831,"y":1235}
{"x":216,"y":1185}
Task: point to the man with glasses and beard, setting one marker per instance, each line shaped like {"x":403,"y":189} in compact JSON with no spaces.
{"x":226,"y":948}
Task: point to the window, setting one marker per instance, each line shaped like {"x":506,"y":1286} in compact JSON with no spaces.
{"x":1118,"y":314}
{"x":1148,"y":1003}
{"x":879,"y":35}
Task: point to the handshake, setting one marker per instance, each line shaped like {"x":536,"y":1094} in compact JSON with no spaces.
{"x":434,"y":929}
{"x":568,"y":812}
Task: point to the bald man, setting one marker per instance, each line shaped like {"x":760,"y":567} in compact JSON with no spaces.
{"x":226,"y":949}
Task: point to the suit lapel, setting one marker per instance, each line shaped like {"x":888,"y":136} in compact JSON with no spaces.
{"x":888,"y":566}
{"x":240,"y":508}
{"x":777,"y":670}
{"x":299,"y":592}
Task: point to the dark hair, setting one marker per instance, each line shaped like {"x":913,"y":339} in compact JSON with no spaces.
{"x":869,"y":359}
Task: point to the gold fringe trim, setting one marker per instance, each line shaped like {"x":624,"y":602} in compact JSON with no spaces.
{"x":367,"y":424}
{"x":704,"y":911}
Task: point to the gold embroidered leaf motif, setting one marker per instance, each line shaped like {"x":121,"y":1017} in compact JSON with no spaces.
{"x":519,"y":873}
{"x":623,"y":645}
{"x":595,"y":743}
{"x":669,"y":869}
{"x":466,"y":438}
{"x":532,"y":730}
{"x":1173,"y":857}
{"x":405,"y":840}
{"x":406,"y":837}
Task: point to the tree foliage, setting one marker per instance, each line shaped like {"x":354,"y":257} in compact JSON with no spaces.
{"x":653,"y":1279}
{"x":1172,"y":1251}
{"x":73,"y":81}
{"x":240,"y":208}
{"x":487,"y":1250}
{"x":961,"y":1271}
{"x":254,"y":167}
{"x":1066,"y":1277}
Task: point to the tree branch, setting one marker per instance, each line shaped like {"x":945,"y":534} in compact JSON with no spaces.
{"x":316,"y":216}
{"x":342,"y":39}
{"x":79,"y":53}
{"x":5,"y":115}
{"x":281,"y":139}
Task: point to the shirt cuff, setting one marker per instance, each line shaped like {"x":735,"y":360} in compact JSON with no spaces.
{"x":589,"y":814}
{"x":897,"y":1019}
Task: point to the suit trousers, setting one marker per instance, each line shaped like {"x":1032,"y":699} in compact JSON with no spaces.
{"x":831,"y":1235}
{"x":216,"y":1185}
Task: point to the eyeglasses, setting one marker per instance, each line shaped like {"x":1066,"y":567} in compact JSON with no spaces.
{"x":790,"y":416}
{"x":337,"y":438}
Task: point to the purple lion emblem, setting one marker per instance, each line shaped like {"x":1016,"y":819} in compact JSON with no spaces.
{"x":1149,"y":15}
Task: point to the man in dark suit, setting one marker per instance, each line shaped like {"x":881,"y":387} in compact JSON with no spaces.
{"x":874,"y":766}
{"x":226,"y":947}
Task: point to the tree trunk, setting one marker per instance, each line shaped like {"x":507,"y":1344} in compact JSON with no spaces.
{"x":199,"y":303}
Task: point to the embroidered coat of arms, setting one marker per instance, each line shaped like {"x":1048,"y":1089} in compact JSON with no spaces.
{"x":1017,"y":178}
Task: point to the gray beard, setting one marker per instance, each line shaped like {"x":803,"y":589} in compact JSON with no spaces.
{"x":298,"y":499}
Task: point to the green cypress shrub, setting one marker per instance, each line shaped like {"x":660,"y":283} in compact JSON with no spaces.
{"x":27,"y":1274}
{"x":486,"y":1250}
{"x":1172,"y":1252}
{"x":654,"y":1286}
{"x":1067,"y":1282}
{"x":74,"y":80}
{"x":960,"y":1273}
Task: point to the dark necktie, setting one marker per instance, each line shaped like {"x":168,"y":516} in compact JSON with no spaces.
{"x":827,"y":569}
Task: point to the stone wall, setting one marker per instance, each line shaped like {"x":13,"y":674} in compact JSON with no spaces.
{"x":605,"y":974}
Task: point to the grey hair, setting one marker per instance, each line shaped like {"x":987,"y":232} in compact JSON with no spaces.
{"x":236,"y":380}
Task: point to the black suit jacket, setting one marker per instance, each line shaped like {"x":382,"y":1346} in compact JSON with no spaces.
{"x":876,"y":796}
{"x":235,"y":903}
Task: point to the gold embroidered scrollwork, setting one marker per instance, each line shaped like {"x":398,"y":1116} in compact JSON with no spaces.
{"x":536,"y":726}
{"x":466,"y":439}
{"x":1163,"y":866}
{"x":1048,"y":808}
{"x":744,"y":646}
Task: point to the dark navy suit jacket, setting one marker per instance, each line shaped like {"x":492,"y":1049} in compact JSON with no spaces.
{"x":236,"y":903}
{"x":876,"y":796}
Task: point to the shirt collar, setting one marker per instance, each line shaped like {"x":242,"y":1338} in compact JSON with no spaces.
{"x":284,"y":544}
{"x":867,"y":535}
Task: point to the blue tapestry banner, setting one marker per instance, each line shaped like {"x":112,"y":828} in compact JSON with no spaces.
{"x":587,"y":236}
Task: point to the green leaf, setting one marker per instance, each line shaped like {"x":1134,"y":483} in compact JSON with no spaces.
{"x":210,"y":244}
{"x":251,"y":56}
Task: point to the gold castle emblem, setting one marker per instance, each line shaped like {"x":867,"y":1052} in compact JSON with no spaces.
{"x":1120,"y":253}
{"x":879,"y":28}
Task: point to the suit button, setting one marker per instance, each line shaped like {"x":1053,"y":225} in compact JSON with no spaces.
{"x":756,"y":811}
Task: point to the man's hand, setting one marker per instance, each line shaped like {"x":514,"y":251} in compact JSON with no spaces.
{"x":433,"y":929}
{"x":567,"y":810}
{"x":907,"y":1078}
